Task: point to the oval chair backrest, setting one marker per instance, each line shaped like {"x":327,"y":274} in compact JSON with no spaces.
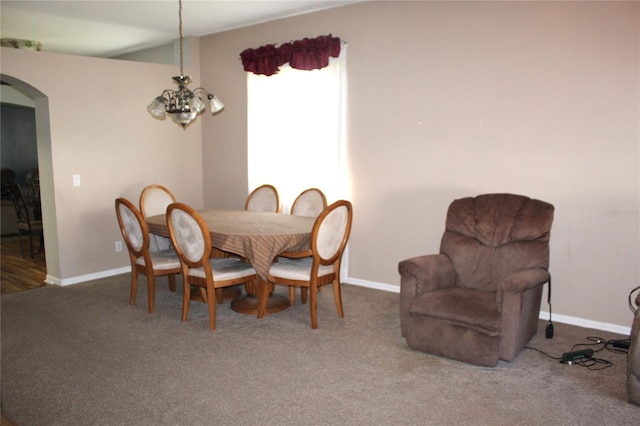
{"x":263,"y":199}
{"x":131,"y":225}
{"x":309,"y":203}
{"x":331,"y":231}
{"x":154,"y":200}
{"x":189,"y":235}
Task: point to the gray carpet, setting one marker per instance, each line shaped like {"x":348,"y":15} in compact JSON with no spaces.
{"x":80,"y":355}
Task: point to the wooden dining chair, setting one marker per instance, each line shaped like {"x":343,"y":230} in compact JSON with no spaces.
{"x":34,"y":192}
{"x":192,"y":241}
{"x":27,"y":225}
{"x":329,"y":237}
{"x":154,"y":200}
{"x":310,"y":203}
{"x":263,"y":199}
{"x":143,"y":261}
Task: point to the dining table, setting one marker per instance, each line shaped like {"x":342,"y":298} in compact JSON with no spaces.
{"x":258,"y":237}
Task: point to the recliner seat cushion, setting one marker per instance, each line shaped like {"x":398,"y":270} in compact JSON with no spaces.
{"x":455,"y":341}
{"x":461,"y":306}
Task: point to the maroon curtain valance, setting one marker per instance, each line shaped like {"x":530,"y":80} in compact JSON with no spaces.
{"x":305,"y":54}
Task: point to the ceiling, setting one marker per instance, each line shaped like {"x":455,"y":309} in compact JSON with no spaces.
{"x":107,"y":28}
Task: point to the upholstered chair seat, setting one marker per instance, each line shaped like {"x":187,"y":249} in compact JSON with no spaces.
{"x":224,"y":269}
{"x":466,"y":307}
{"x":298,"y":269}
{"x":162,"y":260}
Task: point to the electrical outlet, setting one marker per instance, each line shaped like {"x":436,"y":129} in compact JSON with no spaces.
{"x":118,"y":246}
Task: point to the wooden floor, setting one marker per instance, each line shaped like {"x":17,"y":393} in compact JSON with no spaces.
{"x":18,"y":273}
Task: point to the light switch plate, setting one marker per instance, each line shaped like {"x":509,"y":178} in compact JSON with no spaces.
{"x":76,"y":180}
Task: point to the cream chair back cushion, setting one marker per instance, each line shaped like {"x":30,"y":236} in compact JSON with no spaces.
{"x":263,"y":200}
{"x":331,"y":232}
{"x":132,"y":227}
{"x":309,"y":204}
{"x":156,"y":202}
{"x":188,"y":235}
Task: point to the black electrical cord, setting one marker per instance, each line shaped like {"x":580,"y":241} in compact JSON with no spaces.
{"x":591,"y":363}
{"x":634,"y":310}
{"x":548,"y":332}
{"x":595,"y":341}
{"x":594,"y":363}
{"x":557,"y":358}
{"x":620,"y":347}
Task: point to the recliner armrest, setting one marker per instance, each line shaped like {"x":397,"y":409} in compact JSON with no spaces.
{"x":524,"y":280}
{"x":427,"y":273}
{"x":419,"y":275}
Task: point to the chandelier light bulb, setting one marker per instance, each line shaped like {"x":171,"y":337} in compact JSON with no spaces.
{"x":215,"y":105}
{"x":196,"y":104}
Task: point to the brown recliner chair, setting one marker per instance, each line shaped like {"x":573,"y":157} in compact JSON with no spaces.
{"x":478,"y":301}
{"x":633,"y":372}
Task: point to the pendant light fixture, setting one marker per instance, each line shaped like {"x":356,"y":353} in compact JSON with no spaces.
{"x":183,"y":105}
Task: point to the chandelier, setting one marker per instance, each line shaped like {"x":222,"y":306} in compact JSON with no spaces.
{"x":182,"y":104}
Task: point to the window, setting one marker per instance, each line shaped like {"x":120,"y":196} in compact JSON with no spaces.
{"x":296,"y":135}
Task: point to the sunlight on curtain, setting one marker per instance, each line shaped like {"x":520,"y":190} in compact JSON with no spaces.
{"x":296,"y":135}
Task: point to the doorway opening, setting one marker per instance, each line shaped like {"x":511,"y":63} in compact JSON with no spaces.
{"x":50,"y":263}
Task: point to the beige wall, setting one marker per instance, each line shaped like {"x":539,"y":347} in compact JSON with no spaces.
{"x":450,"y":99}
{"x":98,"y":127}
{"x":445,"y":100}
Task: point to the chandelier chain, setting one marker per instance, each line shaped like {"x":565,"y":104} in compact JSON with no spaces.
{"x":180,"y":32}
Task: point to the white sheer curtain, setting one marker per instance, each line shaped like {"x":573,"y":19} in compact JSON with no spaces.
{"x":296,"y":135}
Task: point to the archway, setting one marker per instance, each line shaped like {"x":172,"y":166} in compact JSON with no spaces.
{"x":45,"y":166}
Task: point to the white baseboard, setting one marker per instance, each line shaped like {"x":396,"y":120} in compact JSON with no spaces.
{"x":52,"y":280}
{"x":371,"y":284}
{"x":586,"y":323}
{"x":565,"y":319}
{"x":89,"y":277}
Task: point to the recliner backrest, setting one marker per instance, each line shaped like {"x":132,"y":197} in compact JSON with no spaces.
{"x":490,"y":236}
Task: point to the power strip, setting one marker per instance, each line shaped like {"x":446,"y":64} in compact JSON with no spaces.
{"x":576,"y":356}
